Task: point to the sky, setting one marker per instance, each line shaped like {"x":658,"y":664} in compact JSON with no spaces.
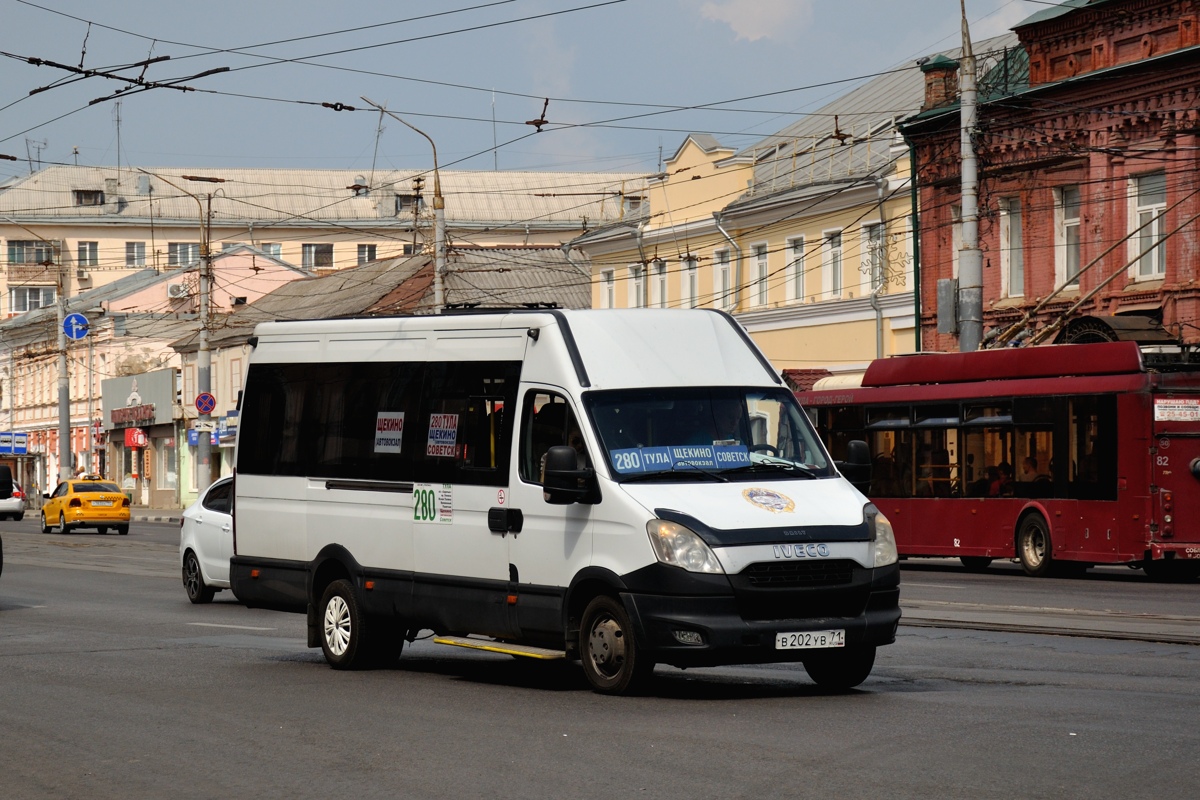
{"x":467,"y":73}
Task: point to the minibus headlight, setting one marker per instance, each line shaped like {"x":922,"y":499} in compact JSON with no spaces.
{"x":882,"y":536}
{"x":676,"y":545}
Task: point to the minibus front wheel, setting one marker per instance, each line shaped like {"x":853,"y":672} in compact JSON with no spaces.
{"x":612,"y":661}
{"x":841,"y":669}
{"x":349,"y":638}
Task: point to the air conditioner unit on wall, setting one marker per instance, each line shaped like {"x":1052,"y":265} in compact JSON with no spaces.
{"x":177,"y":291}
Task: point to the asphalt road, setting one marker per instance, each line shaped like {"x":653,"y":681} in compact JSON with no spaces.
{"x":113,"y":685}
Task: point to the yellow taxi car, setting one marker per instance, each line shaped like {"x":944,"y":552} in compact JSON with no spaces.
{"x":86,"y":502}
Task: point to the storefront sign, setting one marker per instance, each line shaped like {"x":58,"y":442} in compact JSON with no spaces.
{"x":139,"y":400}
{"x":135,"y":437}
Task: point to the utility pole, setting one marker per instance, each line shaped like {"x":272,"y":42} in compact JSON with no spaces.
{"x":203,"y":355}
{"x":970,"y":259}
{"x":439,"y":212}
{"x":64,"y":383}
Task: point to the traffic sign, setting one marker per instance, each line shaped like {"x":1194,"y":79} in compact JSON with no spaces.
{"x":205,"y":426}
{"x":205,"y":402}
{"x":75,"y":326}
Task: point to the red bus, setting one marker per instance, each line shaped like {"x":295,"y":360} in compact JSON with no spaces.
{"x":1061,"y":457}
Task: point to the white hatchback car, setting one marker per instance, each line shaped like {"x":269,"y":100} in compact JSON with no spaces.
{"x":206,"y":542}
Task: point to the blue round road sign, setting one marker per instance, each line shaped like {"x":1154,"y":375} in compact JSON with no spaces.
{"x":205,"y":403}
{"x":75,"y":326}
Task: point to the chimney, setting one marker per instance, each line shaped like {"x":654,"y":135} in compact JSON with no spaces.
{"x":941,"y":82}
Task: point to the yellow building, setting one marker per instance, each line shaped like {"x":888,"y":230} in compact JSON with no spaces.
{"x":805,"y":236}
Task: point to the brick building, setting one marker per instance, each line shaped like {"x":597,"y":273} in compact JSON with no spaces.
{"x":1088,"y":152}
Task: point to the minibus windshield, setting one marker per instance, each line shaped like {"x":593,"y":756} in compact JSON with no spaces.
{"x":660,"y":434}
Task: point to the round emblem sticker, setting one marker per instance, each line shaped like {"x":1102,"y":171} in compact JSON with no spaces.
{"x":772,"y":501}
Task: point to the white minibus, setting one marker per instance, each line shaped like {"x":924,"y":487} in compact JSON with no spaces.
{"x":621,"y":487}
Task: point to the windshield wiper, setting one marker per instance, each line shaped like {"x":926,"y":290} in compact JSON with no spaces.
{"x":772,"y":466}
{"x":675,"y":472}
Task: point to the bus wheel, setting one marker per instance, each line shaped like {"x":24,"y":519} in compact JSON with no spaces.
{"x":1033,"y":546}
{"x":611,"y":659}
{"x":342,"y":628}
{"x":976,"y":563}
{"x":841,"y":669}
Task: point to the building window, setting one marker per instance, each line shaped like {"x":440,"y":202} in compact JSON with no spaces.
{"x":235,"y":377}
{"x":631,"y":203}
{"x":607,"y":289}
{"x":831,"y":280}
{"x":1151,"y":198}
{"x":760,"y":274}
{"x":1012,"y":251}
{"x":273,"y":249}
{"x":183,"y":254}
{"x":1069,"y":243}
{"x":27,"y":298}
{"x":795,"y":269}
{"x":88,"y":197}
{"x":135,"y":254}
{"x":30,"y":252}
{"x":409,"y":203}
{"x":658,"y":283}
{"x":722,"y":280}
{"x":87,"y":254}
{"x":637,"y":285}
{"x":689,"y":282}
{"x":314,"y":256}
{"x":875,"y":256}
{"x":366,"y":252}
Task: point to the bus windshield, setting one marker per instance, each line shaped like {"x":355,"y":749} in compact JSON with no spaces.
{"x":726,"y":432}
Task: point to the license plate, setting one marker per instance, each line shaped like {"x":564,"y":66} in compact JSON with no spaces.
{"x":102,"y":502}
{"x":810,"y":640}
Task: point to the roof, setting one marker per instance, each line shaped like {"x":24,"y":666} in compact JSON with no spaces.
{"x":301,"y":197}
{"x":1066,"y":7}
{"x":484,"y":276}
{"x":852,"y":136}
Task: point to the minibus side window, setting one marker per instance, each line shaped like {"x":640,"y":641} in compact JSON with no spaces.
{"x":547,"y":421}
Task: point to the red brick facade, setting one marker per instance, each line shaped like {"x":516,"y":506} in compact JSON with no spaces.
{"x":1113,"y":98}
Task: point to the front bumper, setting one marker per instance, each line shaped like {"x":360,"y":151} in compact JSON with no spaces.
{"x":728,"y":637}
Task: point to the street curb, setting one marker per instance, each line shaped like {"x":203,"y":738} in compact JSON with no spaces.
{"x":157,"y":518}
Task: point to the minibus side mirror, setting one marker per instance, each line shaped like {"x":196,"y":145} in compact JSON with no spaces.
{"x":857,"y":466}
{"x":564,"y":482}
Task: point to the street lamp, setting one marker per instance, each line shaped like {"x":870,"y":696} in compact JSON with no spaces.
{"x":204,"y":354}
{"x":439,"y":211}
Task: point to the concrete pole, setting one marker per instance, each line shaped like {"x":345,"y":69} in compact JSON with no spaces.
{"x":970,"y":259}
{"x":64,"y":382}
{"x":204,"y":361}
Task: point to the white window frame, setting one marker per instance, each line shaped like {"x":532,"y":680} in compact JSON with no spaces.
{"x":367,"y":252}
{"x":1064,"y":227}
{"x":1139,"y":213}
{"x":659,"y":291}
{"x":761,"y":252}
{"x":19,"y":297}
{"x":87,"y":254}
{"x":722,"y":279}
{"x":309,"y":252}
{"x":183,"y":254}
{"x":833,"y":263}
{"x":637,"y":286}
{"x":794,"y":273}
{"x":608,"y":293}
{"x":874,"y":258}
{"x":135,"y":254}
{"x":273,"y":249}
{"x":689,"y":281}
{"x":1012,"y":248}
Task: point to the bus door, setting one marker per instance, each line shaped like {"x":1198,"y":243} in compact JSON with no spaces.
{"x":1175,"y":508}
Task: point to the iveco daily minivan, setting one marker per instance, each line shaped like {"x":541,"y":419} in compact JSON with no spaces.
{"x":625,"y":488}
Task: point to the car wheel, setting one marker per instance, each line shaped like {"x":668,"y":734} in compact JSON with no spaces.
{"x":123,"y":530}
{"x":102,"y":530}
{"x":344,"y":638}
{"x":611,"y":659}
{"x":19,"y":517}
{"x":1033,"y":546}
{"x":62,"y":524}
{"x":193,"y":581}
{"x":45,"y":526}
{"x":841,"y":668}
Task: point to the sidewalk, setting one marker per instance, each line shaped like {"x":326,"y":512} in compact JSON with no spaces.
{"x":156,"y":514}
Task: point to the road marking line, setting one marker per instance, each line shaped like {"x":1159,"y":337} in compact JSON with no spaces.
{"x":235,"y":627}
{"x":932,"y":585}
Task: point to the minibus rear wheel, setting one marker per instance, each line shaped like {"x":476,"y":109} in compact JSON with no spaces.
{"x":343,"y":628}
{"x":611,"y":659}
